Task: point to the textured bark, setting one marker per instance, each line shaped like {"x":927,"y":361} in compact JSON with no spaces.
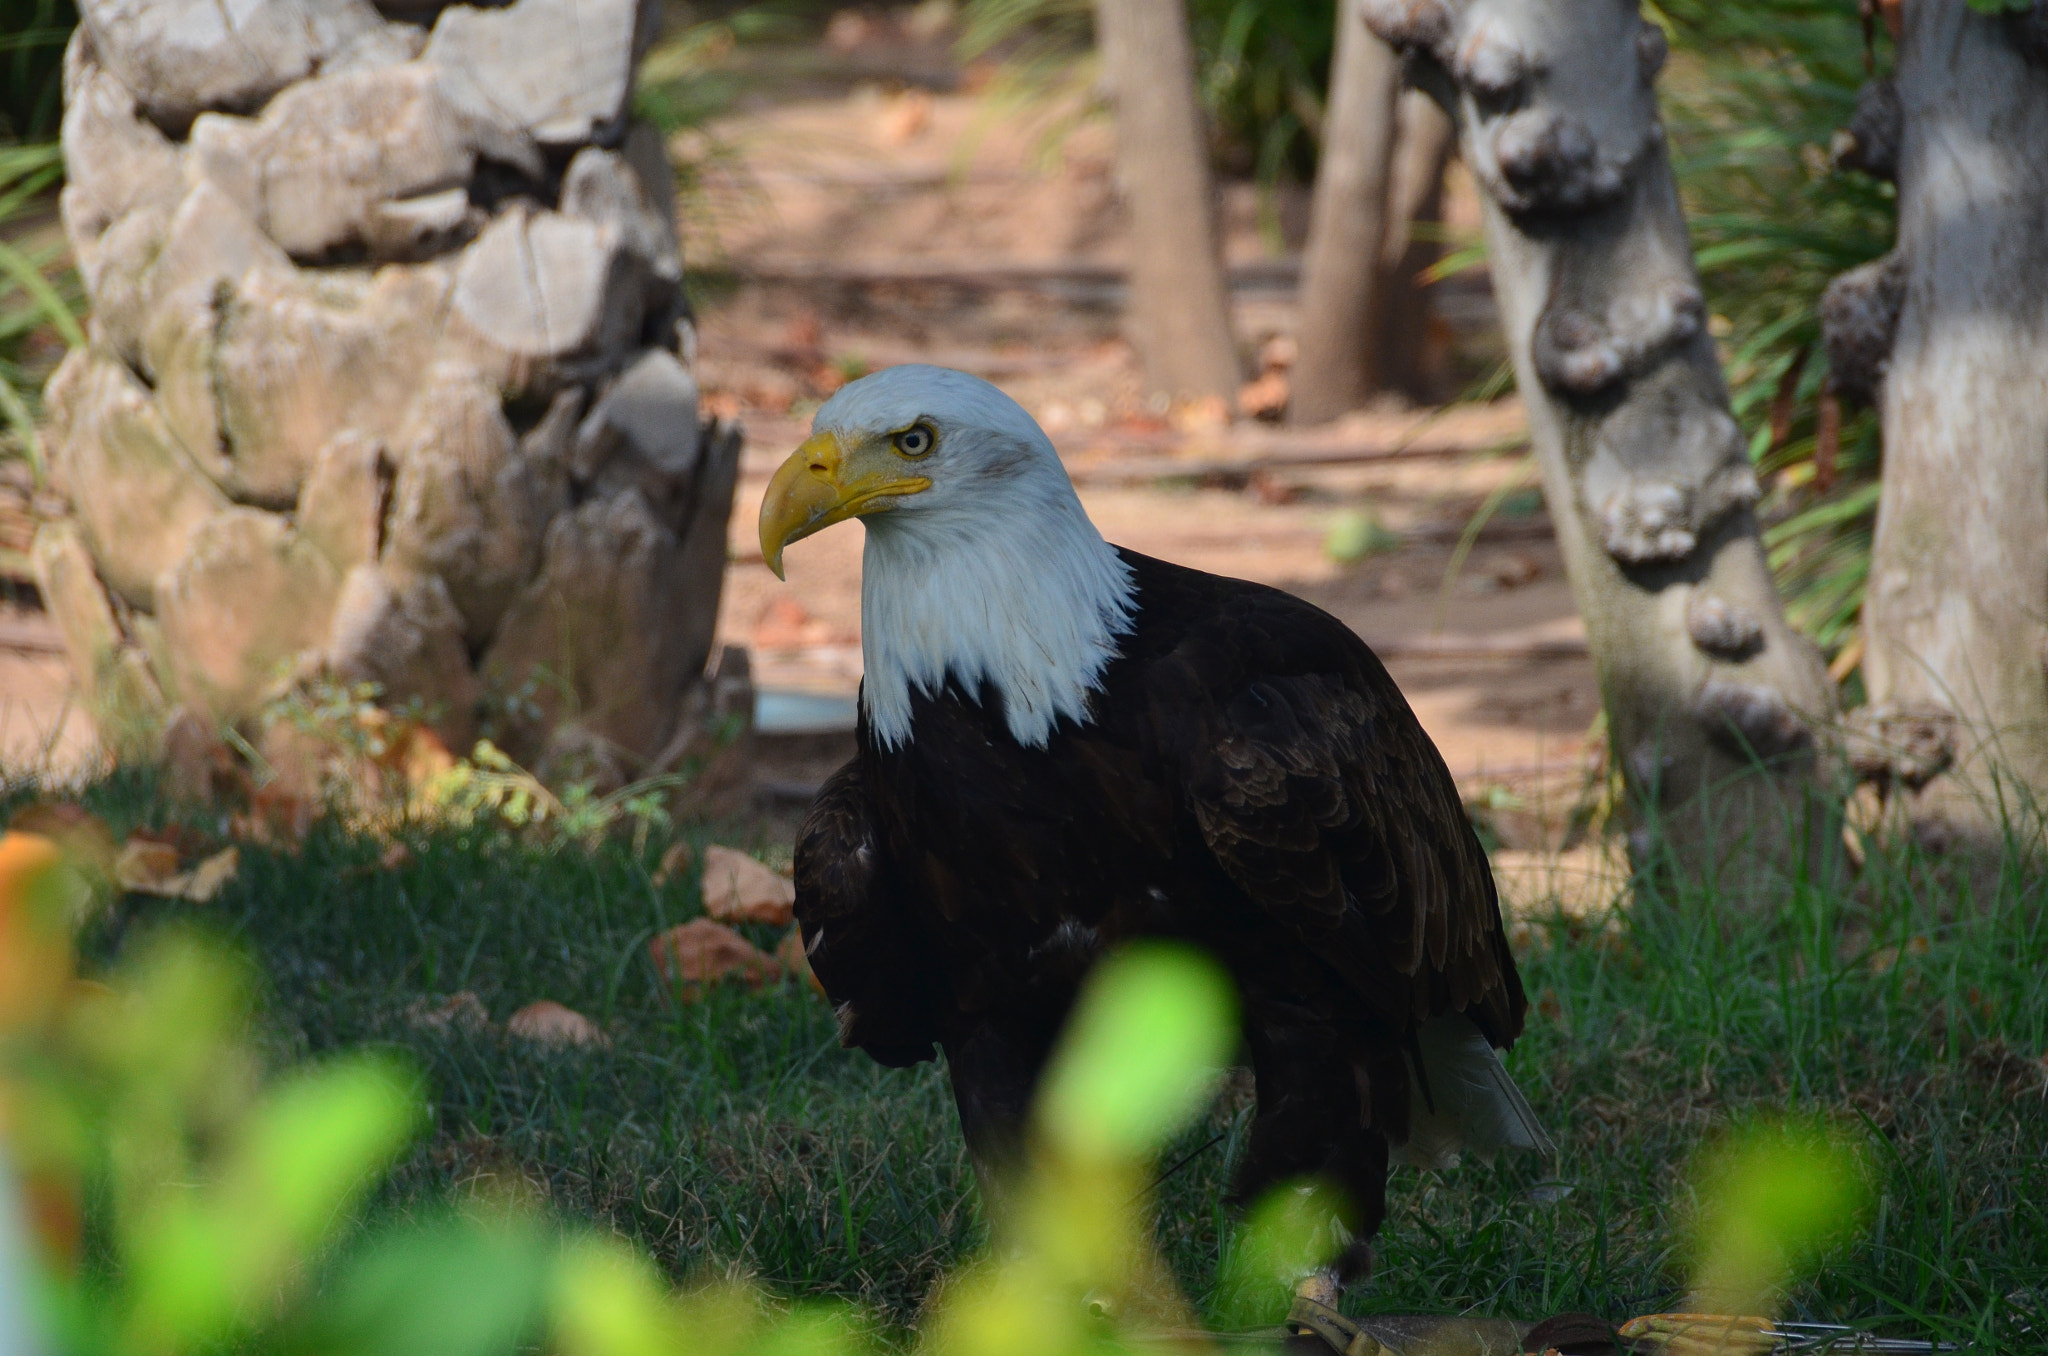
{"x":1645,"y":470}
{"x":1957,"y":611}
{"x":1180,"y":308}
{"x":1349,"y":220}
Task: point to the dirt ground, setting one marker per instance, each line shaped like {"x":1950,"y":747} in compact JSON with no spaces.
{"x":890,"y":207}
{"x":872,"y":226}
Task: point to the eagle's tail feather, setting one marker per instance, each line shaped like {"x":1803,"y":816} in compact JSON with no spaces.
{"x":1464,"y":1101}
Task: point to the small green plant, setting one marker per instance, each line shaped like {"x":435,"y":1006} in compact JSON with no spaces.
{"x":30,"y":301}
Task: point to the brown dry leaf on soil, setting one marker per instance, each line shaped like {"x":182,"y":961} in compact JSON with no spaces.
{"x":738,"y":889}
{"x":702,"y":952}
{"x":278,"y":817}
{"x":462,"y":1010}
{"x":549,"y":1023}
{"x":147,"y":866}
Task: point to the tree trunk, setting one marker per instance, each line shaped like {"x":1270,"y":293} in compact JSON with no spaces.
{"x":1180,"y":306}
{"x":1646,"y":473}
{"x":1957,"y":611}
{"x":1413,"y":352}
{"x":1349,"y":219}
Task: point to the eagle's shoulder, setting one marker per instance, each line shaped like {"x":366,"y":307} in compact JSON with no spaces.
{"x":1318,"y":791}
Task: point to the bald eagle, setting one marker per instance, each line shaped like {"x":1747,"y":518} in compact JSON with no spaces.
{"x":1064,"y":746}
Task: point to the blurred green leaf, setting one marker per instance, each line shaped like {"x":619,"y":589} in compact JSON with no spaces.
{"x":1150,"y":1035}
{"x":1289,"y":1232}
{"x":214,"y":1258}
{"x":1773,"y":1196}
{"x":462,"y":1285}
{"x":1356,"y":534}
{"x":608,"y":1300}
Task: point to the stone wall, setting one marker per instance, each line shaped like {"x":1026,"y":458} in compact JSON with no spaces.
{"x":389,"y":377}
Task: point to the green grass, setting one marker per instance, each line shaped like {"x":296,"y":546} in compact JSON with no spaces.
{"x":733,"y":1136}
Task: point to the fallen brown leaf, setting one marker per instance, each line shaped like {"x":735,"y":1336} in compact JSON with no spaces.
{"x":738,"y":889}
{"x":148,"y":867}
{"x":145,"y":865}
{"x":278,"y":816}
{"x":205,"y":880}
{"x":702,"y":952}
{"x":395,"y":856}
{"x":549,"y":1023}
{"x":462,"y":1010}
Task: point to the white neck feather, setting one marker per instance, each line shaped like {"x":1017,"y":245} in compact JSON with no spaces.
{"x":1028,"y":601}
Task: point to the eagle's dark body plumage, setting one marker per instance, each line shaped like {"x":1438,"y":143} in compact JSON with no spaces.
{"x":1249,"y":779}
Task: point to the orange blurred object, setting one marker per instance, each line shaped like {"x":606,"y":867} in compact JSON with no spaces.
{"x":35,"y":935}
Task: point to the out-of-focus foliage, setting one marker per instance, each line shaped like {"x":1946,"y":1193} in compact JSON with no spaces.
{"x":32,"y":38}
{"x":38,"y":292}
{"x":1754,"y":95}
{"x":159,"y":1193}
{"x":1772,"y":1197}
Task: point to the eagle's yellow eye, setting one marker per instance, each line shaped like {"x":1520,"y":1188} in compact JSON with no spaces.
{"x":916,"y":441}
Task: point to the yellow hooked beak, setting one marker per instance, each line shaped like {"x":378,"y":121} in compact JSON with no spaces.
{"x":822,"y":483}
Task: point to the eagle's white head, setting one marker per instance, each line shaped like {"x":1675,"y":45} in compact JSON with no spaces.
{"x":980,"y":561}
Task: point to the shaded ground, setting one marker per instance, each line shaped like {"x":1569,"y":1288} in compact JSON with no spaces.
{"x":865,"y":228}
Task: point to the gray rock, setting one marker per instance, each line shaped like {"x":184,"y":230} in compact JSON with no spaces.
{"x":707,"y":543}
{"x":403,"y":633}
{"x":208,"y":247}
{"x":137,"y":493}
{"x":126,"y":702}
{"x":595,"y":640}
{"x":559,"y":297}
{"x":241,"y":611}
{"x":116,"y":270}
{"x":419,"y":228}
{"x":75,"y":601}
{"x":643,"y":434}
{"x":301,"y":358}
{"x":316,"y":169}
{"x":115,"y":160}
{"x":211,"y":239}
{"x":468,"y":504}
{"x":560,"y":69}
{"x":184,"y":57}
{"x":645,"y":151}
{"x":341,"y":507}
{"x":604,"y":187}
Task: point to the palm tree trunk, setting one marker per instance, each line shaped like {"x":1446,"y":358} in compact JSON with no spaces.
{"x":1180,"y":306}
{"x":1646,"y":472}
{"x":1337,"y":366}
{"x":1957,"y":610}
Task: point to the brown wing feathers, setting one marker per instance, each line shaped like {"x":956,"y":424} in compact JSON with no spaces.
{"x":1323,"y":799}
